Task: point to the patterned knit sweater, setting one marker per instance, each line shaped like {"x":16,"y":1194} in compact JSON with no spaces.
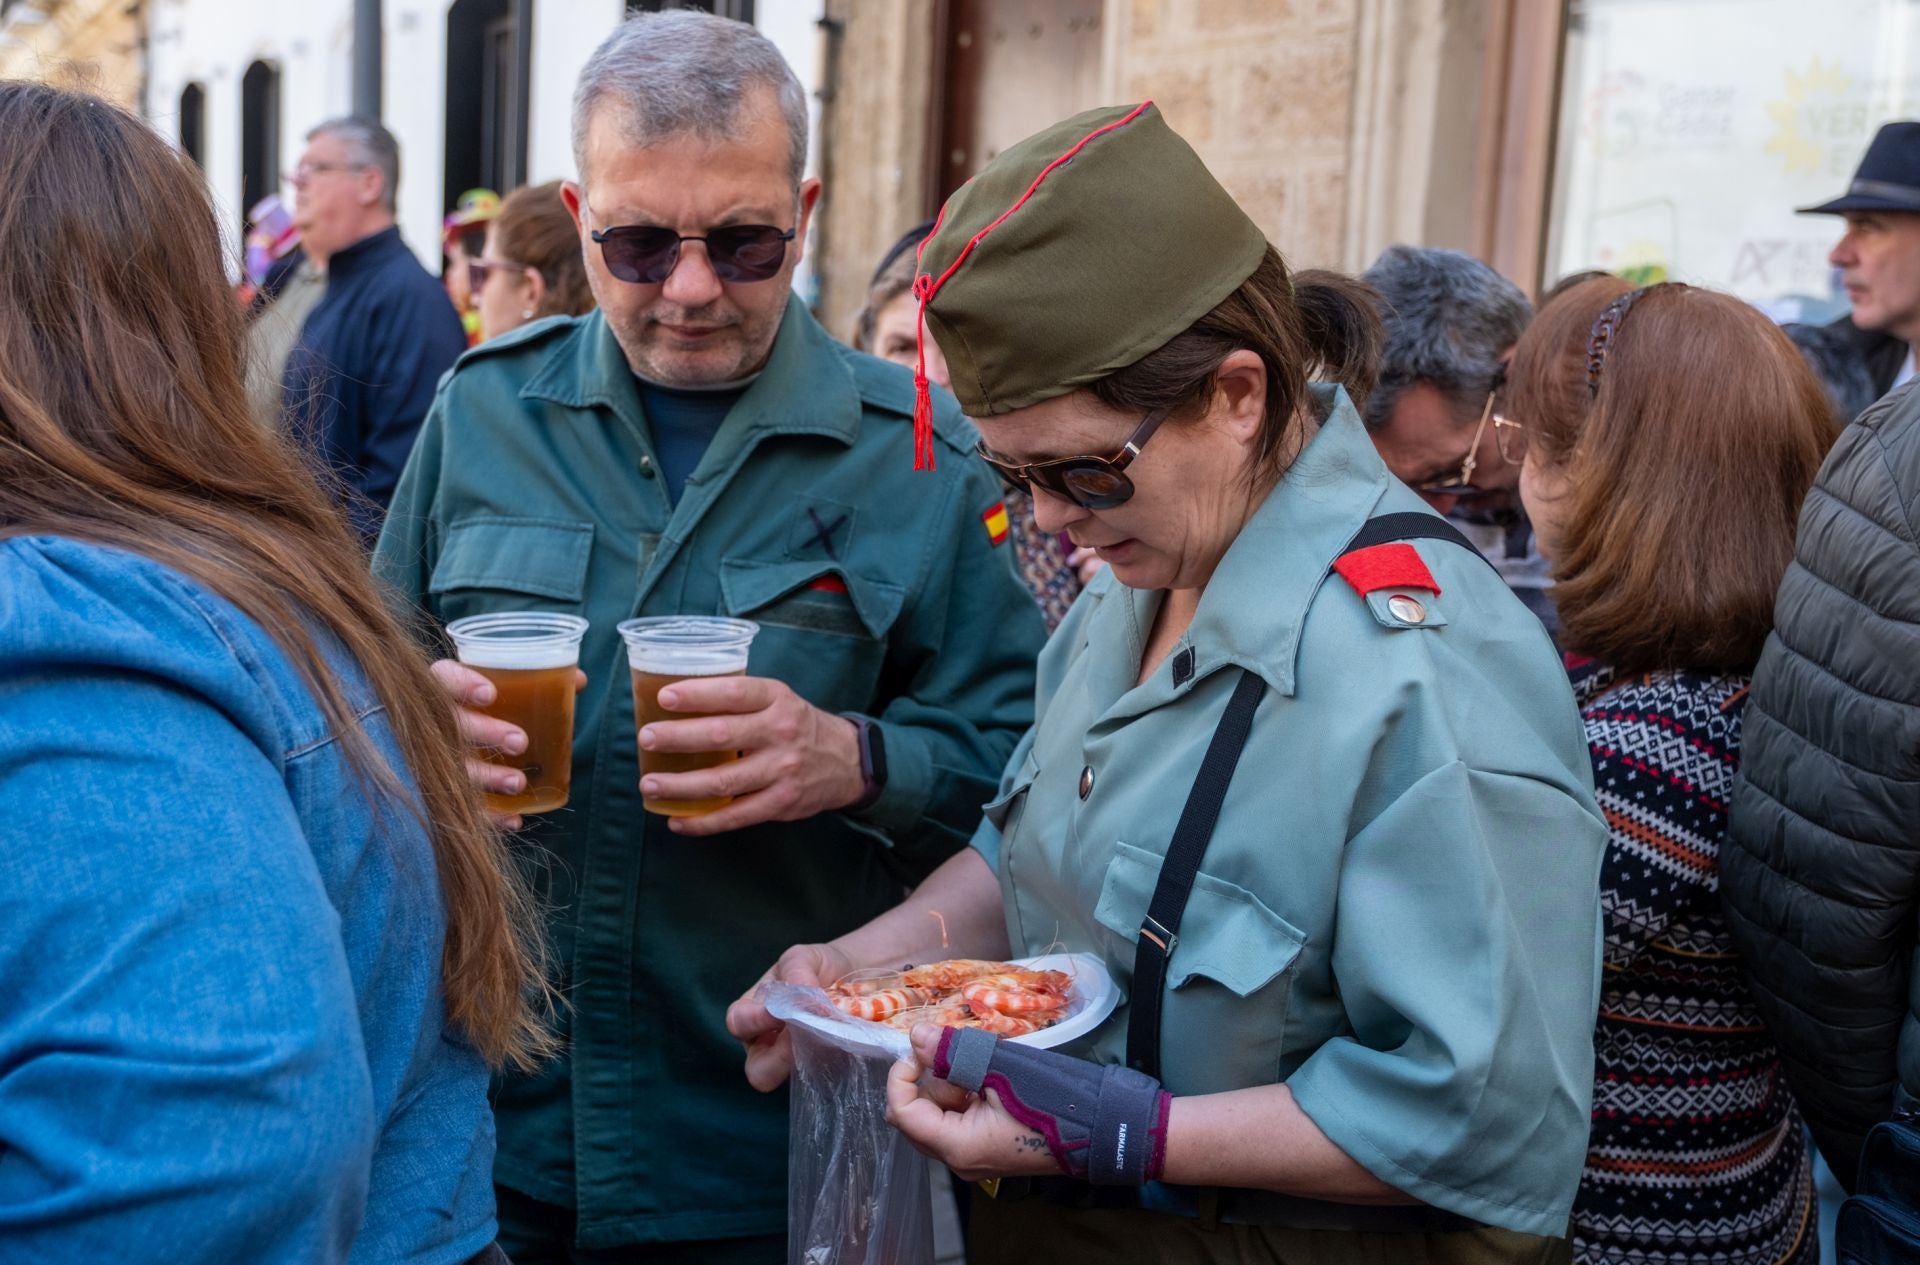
{"x":1697,"y":1152}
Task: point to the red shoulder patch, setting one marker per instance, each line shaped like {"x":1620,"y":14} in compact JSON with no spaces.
{"x":1395,"y":565}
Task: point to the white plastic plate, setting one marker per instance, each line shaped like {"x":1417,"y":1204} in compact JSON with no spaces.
{"x":1093,"y":998}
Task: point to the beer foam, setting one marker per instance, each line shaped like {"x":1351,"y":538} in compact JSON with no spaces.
{"x":518,"y":641}
{"x":688,"y":646}
{"x":521,"y":655}
{"x":687,"y":660}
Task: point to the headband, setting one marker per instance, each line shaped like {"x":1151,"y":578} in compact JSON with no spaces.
{"x":1606,"y":328}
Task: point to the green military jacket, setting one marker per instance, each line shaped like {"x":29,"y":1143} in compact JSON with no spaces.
{"x":879,"y":591}
{"x":1399,"y":912}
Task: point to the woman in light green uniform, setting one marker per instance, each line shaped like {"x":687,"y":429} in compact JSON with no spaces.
{"x":1305,"y":775}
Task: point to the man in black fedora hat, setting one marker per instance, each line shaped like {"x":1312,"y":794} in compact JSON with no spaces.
{"x":1879,"y":254}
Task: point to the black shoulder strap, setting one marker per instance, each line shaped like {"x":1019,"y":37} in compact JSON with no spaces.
{"x":1411,"y":525}
{"x":1161,"y":930}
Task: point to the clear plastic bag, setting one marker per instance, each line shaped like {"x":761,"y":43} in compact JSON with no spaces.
{"x":857,"y":1191}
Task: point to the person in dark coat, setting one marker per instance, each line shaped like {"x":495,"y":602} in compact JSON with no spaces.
{"x":1879,"y":255}
{"x":1835,"y":357}
{"x":1821,"y":874}
{"x":359,"y":380}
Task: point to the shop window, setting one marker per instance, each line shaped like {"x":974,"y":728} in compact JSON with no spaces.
{"x":1690,"y":130}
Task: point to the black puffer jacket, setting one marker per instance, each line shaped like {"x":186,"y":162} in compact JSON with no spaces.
{"x":1821,"y":873}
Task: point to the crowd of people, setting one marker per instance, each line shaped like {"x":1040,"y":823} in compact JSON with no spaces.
{"x":1379,"y":675}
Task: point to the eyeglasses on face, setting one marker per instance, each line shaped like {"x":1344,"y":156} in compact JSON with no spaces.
{"x":477,"y":270}
{"x":1094,"y":483}
{"x":647,"y":254}
{"x":307,"y":171}
{"x":1509,"y":437}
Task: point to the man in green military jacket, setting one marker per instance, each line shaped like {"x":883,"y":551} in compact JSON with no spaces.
{"x":701,"y":446}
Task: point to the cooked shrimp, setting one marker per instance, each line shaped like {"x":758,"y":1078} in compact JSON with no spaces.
{"x":949,"y":975}
{"x":948,"y":1014}
{"x":1017,"y":992}
{"x":1006,"y":1025}
{"x":877,"y":1006}
{"x":860,"y":984}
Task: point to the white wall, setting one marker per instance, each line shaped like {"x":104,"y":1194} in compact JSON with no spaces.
{"x":414,"y":107}
{"x":794,"y":28}
{"x":565,"y":33}
{"x":213,"y":41}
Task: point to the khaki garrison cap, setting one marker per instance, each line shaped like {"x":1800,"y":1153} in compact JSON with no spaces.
{"x":1076,"y":253}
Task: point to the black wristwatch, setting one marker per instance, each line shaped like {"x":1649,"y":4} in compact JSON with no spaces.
{"x":873,"y":763}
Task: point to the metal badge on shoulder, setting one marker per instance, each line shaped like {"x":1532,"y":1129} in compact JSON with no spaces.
{"x":1395,"y":582}
{"x":1406,"y":608}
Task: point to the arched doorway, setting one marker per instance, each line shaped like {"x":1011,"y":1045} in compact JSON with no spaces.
{"x":259,"y":135}
{"x":193,"y":123}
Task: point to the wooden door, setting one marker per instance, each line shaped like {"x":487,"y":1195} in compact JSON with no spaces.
{"x":1010,"y":68}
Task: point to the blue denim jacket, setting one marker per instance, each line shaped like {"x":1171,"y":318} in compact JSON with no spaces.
{"x":222,"y":1033}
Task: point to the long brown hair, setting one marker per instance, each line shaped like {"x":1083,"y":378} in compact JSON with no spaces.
{"x":1307,"y":325}
{"x":535,"y":230}
{"x":124,"y":422}
{"x":1685,"y":458}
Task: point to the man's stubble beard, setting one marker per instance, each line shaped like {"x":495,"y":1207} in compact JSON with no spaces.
{"x":752,"y":337}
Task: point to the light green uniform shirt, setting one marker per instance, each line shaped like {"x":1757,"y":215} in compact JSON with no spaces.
{"x":1398,"y":914}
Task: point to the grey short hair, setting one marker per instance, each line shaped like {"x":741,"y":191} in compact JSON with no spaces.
{"x":373,"y":145}
{"x":685,"y":71}
{"x":1448,"y":318}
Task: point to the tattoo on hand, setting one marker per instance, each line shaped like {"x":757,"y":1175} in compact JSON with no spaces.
{"x":1032,"y":1141}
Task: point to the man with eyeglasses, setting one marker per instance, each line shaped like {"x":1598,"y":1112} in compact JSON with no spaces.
{"x":1451,"y":322}
{"x":362,"y":372}
{"x":699,"y":445}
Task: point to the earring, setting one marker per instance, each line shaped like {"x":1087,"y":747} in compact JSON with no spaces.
{"x":526,"y":313}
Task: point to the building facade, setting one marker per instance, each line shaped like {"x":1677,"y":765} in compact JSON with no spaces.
{"x":1341,"y":125}
{"x":478,"y":92}
{"x":94,"y":45}
{"x":1657,"y":138}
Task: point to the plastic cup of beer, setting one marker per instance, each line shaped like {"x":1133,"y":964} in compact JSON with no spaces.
{"x":530,"y":657}
{"x":673,"y":648}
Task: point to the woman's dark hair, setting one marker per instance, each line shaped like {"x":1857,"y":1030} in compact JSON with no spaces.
{"x":1685,"y":459}
{"x":534,"y":229}
{"x":471,"y":239}
{"x":892,"y":277}
{"x":124,"y":422}
{"x":1309,"y":326}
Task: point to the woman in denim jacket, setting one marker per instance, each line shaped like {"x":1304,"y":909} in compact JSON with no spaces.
{"x":260,"y":944}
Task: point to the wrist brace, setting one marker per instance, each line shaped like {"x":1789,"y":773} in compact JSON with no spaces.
{"x":1107,"y":1125}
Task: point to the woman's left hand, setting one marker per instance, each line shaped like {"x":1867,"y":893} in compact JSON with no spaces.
{"x":972,"y":1134}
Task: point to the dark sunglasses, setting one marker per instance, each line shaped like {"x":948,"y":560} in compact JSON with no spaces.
{"x":1094,"y":483}
{"x":648,"y":255}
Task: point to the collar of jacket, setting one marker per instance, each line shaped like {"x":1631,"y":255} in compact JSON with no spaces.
{"x":806,"y":387}
{"x":367,"y":253}
{"x":1256,"y":603}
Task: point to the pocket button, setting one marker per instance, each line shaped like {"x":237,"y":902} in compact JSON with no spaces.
{"x":1086,"y":781}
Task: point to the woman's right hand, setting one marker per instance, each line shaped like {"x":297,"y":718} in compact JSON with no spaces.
{"x":470,"y":691}
{"x":769,"y":1049}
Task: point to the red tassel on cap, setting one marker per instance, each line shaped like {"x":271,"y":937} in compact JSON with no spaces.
{"x":922,"y":389}
{"x":925,"y":286}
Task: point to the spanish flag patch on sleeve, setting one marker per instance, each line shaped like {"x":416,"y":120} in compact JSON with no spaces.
{"x":996,"y":521}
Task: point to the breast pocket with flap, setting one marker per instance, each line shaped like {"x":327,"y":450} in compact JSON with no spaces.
{"x":823,"y":627}
{"x":493,"y":563}
{"x":1224,"y":1015}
